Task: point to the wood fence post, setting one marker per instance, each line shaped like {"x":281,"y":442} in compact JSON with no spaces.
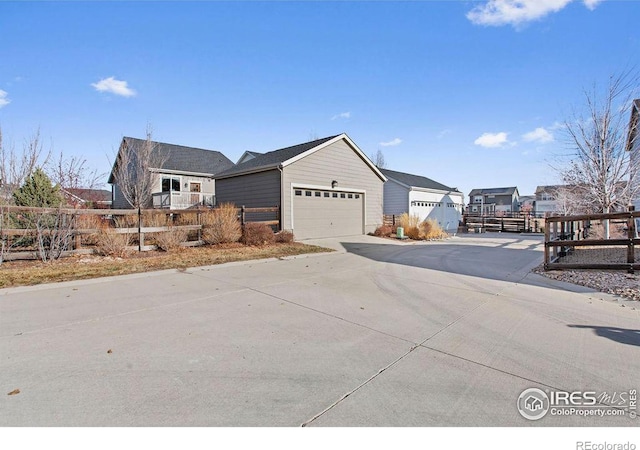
{"x":631,"y":233}
{"x":140,"y":235}
{"x":279,"y":218}
{"x":547,"y":234}
{"x":242,"y":216}
{"x":199,"y":222}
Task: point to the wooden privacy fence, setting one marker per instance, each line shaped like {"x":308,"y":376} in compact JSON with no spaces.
{"x":21,"y":227}
{"x":577,"y":242}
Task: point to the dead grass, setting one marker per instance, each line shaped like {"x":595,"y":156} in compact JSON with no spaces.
{"x":26,"y":273}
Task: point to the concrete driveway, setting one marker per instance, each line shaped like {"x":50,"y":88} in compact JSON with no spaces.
{"x":379,"y":333}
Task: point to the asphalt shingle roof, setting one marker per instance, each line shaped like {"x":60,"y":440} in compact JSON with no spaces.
{"x":494,"y":191}
{"x":184,"y":159}
{"x":415,"y":180}
{"x":273,"y":159}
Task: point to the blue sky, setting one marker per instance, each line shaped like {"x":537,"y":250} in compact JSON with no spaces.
{"x":470,"y":94}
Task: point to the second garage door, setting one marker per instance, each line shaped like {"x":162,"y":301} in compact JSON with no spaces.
{"x":326,"y":213}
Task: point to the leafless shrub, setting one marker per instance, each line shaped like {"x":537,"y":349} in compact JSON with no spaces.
{"x":89,"y":222}
{"x":284,"y":237}
{"x":169,"y":240}
{"x":221,"y":225}
{"x":384,"y":231}
{"x":257,"y":234}
{"x":112,"y":243}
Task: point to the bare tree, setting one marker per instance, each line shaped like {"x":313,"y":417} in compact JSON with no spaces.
{"x":16,"y":168}
{"x":600,"y":167}
{"x":378,"y":160}
{"x":133,"y":171}
{"x":74,"y":173}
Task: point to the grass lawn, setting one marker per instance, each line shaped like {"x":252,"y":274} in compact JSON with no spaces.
{"x":80,"y":267}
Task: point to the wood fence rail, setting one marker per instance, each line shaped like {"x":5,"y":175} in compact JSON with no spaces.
{"x":134,"y":224}
{"x":563,"y":234}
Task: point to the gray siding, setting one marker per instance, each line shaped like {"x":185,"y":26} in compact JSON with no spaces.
{"x":256,"y":190}
{"x":119,"y":201}
{"x":396,"y":198}
{"x":341,"y":163}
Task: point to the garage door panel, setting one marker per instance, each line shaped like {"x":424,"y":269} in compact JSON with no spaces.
{"x":328,"y":214}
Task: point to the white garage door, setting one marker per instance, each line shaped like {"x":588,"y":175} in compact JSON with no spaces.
{"x":318,"y":213}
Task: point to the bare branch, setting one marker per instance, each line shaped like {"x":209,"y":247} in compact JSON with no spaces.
{"x":133,"y":171}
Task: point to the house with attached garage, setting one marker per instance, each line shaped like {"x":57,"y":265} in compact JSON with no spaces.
{"x":326,"y":187}
{"x":184,"y":178}
{"x":423,"y":197}
{"x":493,"y":200}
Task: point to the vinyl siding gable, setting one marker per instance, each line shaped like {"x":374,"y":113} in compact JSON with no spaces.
{"x":339,"y":162}
{"x":396,"y":198}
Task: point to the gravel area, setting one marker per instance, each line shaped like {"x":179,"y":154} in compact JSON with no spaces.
{"x":619,"y":283}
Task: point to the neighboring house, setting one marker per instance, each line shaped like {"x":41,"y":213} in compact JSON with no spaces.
{"x":527,"y":204}
{"x":246,"y":156}
{"x":87,"y":198}
{"x":185,"y":180}
{"x":327,"y":187}
{"x":424,"y":197}
{"x":633,"y":146}
{"x":547,"y":200}
{"x":493,"y":200}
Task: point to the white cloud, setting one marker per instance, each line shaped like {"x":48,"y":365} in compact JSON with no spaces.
{"x":117,"y":87}
{"x":393,"y":143}
{"x":344,"y":115}
{"x":492,"y":140}
{"x":539,"y":135}
{"x":4,"y":101}
{"x":517,"y":12}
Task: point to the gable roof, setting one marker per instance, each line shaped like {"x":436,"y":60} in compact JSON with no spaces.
{"x":550,"y":189}
{"x":494,"y":191}
{"x":416,"y":180}
{"x":182,"y":159}
{"x":246,"y":156}
{"x":288,"y":155}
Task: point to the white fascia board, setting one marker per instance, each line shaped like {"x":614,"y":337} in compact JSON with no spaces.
{"x":436,"y":191}
{"x":182,"y":172}
{"x":340,"y":137}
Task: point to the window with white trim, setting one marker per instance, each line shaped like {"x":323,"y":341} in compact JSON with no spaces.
{"x":170,"y":184}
